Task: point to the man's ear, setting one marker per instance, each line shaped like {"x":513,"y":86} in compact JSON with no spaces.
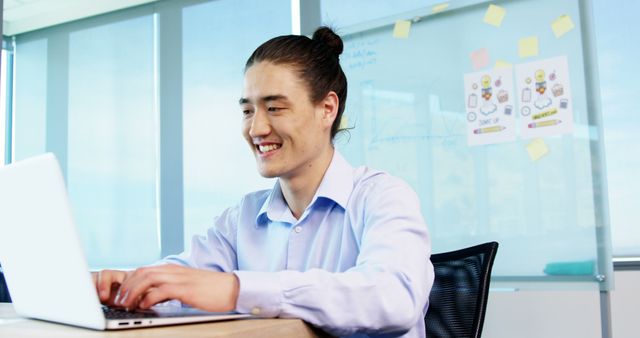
{"x":329,"y":106}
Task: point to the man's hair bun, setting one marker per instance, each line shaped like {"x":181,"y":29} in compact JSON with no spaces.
{"x":327,"y":37}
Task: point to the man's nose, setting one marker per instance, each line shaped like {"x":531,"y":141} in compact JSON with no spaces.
{"x":260,"y":124}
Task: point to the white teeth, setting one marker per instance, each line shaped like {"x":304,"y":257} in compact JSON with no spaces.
{"x":264,"y":149}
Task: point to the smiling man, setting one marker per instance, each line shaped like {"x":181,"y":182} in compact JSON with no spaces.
{"x":345,"y":249}
{"x":289,"y":134}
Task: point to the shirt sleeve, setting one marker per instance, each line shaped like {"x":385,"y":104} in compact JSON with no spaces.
{"x":386,"y":291}
{"x":217,"y":250}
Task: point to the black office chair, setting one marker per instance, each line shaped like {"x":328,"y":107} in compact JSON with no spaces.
{"x":4,"y":293}
{"x":458,"y":299}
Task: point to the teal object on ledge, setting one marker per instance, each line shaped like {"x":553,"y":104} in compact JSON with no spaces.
{"x":570,"y":268}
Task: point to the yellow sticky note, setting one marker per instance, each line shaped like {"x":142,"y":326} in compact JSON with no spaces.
{"x":439,"y":8}
{"x":494,"y":15}
{"x":537,"y":148}
{"x":562,"y":25}
{"x":344,"y":123}
{"x":528,"y":46}
{"x":401,"y":29}
{"x":503,"y":64}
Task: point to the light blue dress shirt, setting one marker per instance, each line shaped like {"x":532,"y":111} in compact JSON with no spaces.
{"x":355,"y":264}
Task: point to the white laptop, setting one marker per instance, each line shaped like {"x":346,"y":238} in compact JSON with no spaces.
{"x":44,"y":264}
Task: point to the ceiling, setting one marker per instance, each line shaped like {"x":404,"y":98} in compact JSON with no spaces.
{"x":21,"y":16}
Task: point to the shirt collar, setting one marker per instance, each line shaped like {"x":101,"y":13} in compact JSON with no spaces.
{"x":336,"y":185}
{"x":337,"y":182}
{"x":274,"y":207}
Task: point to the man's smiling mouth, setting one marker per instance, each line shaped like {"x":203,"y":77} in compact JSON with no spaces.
{"x":267,"y":148}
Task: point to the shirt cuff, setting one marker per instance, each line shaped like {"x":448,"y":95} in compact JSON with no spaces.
{"x":260,"y":293}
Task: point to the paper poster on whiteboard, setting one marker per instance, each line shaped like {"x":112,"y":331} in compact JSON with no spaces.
{"x":489,"y":106}
{"x":544,"y":102}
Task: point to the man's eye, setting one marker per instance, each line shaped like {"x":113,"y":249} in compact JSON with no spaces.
{"x":273,"y":109}
{"x":246,"y":112}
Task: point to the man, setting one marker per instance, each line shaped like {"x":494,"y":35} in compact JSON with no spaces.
{"x":343,"y":248}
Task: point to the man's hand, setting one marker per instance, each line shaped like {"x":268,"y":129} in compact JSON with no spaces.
{"x":145,"y":287}
{"x":107,"y":284}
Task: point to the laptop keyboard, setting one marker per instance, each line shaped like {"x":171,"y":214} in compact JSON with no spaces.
{"x":157,"y":312}
{"x":114,"y":313}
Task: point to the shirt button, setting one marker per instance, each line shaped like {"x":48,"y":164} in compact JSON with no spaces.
{"x":255,"y":311}
{"x":297,"y":229}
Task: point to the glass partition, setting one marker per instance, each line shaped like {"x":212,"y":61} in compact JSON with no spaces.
{"x":407,"y":104}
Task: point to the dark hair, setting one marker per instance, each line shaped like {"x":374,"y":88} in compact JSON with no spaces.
{"x":316,"y":60}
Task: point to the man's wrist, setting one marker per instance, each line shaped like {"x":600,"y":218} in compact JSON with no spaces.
{"x":259,"y":293}
{"x":235,"y":291}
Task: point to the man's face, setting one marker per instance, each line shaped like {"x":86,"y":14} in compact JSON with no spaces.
{"x":284,"y":129}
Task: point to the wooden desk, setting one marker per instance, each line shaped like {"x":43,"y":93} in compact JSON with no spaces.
{"x":15,"y":327}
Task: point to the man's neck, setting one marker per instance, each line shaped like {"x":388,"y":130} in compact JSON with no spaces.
{"x":298,"y":191}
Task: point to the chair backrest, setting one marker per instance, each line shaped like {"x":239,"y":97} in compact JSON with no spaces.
{"x":4,"y":292}
{"x":458,"y":299}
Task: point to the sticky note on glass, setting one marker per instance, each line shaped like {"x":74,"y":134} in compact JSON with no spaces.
{"x":503,"y":64}
{"x":480,"y":58}
{"x":494,"y":15}
{"x":439,"y":8}
{"x":344,"y":123}
{"x":562,"y":25}
{"x":401,"y":29}
{"x":537,"y":149}
{"x":528,"y":46}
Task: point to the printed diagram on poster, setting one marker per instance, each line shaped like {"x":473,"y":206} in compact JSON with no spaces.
{"x":489,"y":106}
{"x":544,"y":102}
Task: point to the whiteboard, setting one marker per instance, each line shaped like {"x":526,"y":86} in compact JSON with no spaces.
{"x":406,"y":105}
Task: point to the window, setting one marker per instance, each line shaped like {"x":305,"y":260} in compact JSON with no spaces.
{"x":218,"y":166}
{"x":86,"y":92}
{"x":29,"y":123}
{"x":619,"y":71}
{"x":112,"y":141}
{"x":3,"y":105}
{"x":94,"y":92}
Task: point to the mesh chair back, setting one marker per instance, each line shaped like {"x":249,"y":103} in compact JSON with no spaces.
{"x":4,"y":293}
{"x":458,"y":299}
